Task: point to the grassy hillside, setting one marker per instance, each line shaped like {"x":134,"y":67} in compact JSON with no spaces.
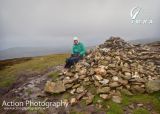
{"x":13,"y":68}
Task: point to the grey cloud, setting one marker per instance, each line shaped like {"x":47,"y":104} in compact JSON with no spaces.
{"x":54,"y":22}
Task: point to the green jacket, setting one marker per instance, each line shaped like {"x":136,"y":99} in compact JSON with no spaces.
{"x":79,"y":49}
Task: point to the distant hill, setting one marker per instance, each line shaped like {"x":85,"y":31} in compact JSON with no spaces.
{"x":144,"y":41}
{"x":18,"y":52}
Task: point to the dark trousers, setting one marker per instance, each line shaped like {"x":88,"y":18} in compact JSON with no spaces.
{"x":71,"y":61}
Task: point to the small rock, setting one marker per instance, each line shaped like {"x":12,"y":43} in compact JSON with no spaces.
{"x":86,"y":79}
{"x":30,"y":85}
{"x":114,"y":84}
{"x":98,"y":77}
{"x":82,"y":76}
{"x":137,"y":89}
{"x":70,"y":74}
{"x":112,"y":72}
{"x":131,"y":106}
{"x":126,"y":92}
{"x":123,"y":82}
{"x":152,"y":86}
{"x":73,"y":101}
{"x":86,"y":64}
{"x":136,"y":75}
{"x":116,"y":99}
{"x":70,"y":80}
{"x":115,"y":78}
{"x":104,"y":96}
{"x":139,"y":105}
{"x":54,"y":87}
{"x":76,"y":76}
{"x":80,"y":89}
{"x":81,"y":95}
{"x":127,"y":76}
{"x":100,"y":71}
{"x":75,"y":86}
{"x":104,"y":81}
{"x":97,"y":84}
{"x":82,"y":72}
{"x":103,"y":90}
{"x":68,"y":86}
{"x":72,"y":91}
{"x":89,"y":100}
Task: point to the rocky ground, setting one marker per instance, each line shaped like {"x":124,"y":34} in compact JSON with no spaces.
{"x":108,"y":72}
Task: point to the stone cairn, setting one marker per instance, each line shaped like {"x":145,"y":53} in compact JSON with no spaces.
{"x":112,"y":68}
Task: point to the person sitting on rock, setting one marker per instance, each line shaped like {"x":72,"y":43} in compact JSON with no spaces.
{"x":78,"y":52}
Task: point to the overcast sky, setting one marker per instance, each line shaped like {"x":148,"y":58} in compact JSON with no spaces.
{"x":55,"y":22}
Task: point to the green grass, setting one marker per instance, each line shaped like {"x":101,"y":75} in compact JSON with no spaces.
{"x":53,"y":75}
{"x":97,"y":99}
{"x":154,"y":99}
{"x":36,"y":65}
{"x":66,"y":95}
{"x":115,"y":108}
{"x":141,"y":111}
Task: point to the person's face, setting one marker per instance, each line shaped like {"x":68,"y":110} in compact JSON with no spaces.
{"x":75,"y":42}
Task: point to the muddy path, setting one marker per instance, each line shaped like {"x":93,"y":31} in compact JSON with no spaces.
{"x":34,"y":82}
{"x":28,"y":87}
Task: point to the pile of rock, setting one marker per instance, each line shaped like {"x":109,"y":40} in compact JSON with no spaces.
{"x":110,"y":69}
